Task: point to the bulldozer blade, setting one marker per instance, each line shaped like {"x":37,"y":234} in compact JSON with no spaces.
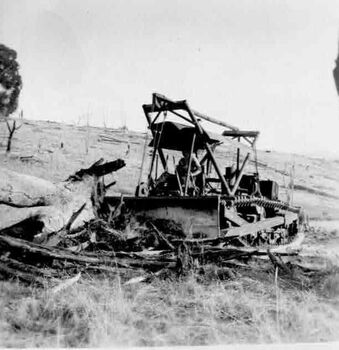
{"x":198,"y":217}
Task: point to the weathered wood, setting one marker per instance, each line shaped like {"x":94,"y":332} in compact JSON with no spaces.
{"x":53,"y":206}
{"x":76,"y":235}
{"x":73,"y":218}
{"x":98,"y":169}
{"x":15,"y":273}
{"x":25,"y":249}
{"x":162,"y":237}
{"x":28,"y":268}
{"x":11,"y":131}
{"x":278,"y":263}
{"x":24,"y":191}
{"x":15,"y":245}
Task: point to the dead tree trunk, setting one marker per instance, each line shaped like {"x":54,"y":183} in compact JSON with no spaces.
{"x":11,"y":130}
{"x":30,"y":205}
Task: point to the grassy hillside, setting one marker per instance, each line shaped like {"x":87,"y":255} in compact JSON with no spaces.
{"x":203,"y":308}
{"x":53,"y":151}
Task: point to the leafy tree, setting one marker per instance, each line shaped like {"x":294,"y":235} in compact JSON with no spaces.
{"x":10,"y":81}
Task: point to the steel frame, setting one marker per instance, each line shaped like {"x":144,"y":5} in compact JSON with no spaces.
{"x":162,"y":104}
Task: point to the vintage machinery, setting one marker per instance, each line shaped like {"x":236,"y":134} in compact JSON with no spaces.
{"x":186,"y":184}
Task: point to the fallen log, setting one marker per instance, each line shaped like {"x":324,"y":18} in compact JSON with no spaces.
{"x":10,"y":272}
{"x":23,"y":249}
{"x":31,"y":252}
{"x":16,"y":265}
{"x":51,"y":206}
{"x":34,"y":263}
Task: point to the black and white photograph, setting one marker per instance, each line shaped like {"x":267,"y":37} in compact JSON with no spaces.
{"x":169,"y":174}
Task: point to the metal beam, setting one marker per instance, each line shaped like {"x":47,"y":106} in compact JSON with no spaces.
{"x":189,"y":165}
{"x":213,"y":120}
{"x":178,"y":105}
{"x":237,"y":182}
{"x":156,"y":117}
{"x":240,"y":133}
{"x":181,"y":116}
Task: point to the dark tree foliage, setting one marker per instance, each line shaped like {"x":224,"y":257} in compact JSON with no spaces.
{"x":336,"y":74}
{"x":10,"y":81}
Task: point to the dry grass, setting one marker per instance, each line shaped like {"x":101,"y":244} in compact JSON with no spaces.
{"x":102,"y":312}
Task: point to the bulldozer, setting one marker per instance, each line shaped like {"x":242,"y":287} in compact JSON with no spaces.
{"x":185,"y":183}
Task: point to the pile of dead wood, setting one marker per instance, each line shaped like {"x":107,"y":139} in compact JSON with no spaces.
{"x":33,"y":262}
{"x":52,"y":231}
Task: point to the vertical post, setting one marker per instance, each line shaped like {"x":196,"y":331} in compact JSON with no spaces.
{"x":156,"y":166}
{"x":177,"y":175}
{"x":189,"y":165}
{"x":149,"y":120}
{"x":143,"y":159}
{"x":166,"y":168}
{"x":292,"y":177}
{"x":238,"y":158}
{"x":179,"y":183}
{"x":155,"y":139}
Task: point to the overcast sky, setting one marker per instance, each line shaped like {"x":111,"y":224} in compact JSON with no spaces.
{"x":258,"y":64}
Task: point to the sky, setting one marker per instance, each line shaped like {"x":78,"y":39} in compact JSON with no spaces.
{"x":258,"y":64}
